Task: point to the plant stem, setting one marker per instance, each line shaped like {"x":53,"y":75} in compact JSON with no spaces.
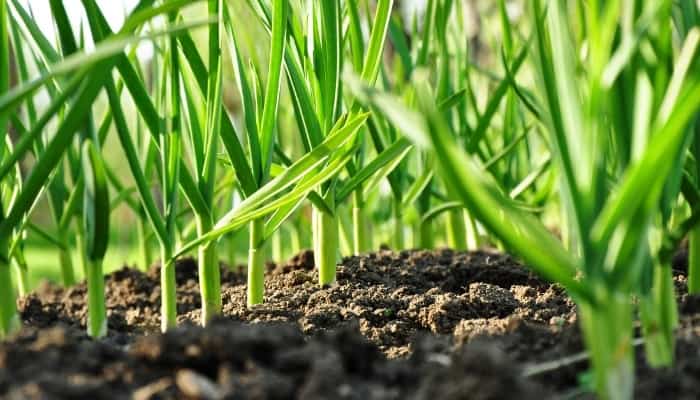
{"x":277,"y":248}
{"x":144,"y":248}
{"x":473,"y":240}
{"x":80,"y":244}
{"x":456,"y":230}
{"x":9,"y":320}
{"x":426,"y":239}
{"x":694,"y":260}
{"x":296,"y":239}
{"x":66,"y":263}
{"x":345,"y":232}
{"x":425,"y":235}
{"x":256,"y":263}
{"x":97,"y":312}
{"x":359,"y":231}
{"x":231,"y":251}
{"x":607,"y":330}
{"x":209,"y":274}
{"x":398,"y":226}
{"x":168,"y":304}
{"x":326,"y":246}
{"x":22,"y":277}
{"x":659,"y":315}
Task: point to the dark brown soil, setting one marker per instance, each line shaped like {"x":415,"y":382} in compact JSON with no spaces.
{"x":409,"y":325}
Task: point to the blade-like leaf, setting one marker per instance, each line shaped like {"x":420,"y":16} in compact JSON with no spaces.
{"x":274,"y":79}
{"x":392,"y":156}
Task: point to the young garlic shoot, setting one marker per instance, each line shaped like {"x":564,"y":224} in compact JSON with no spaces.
{"x":207,"y":254}
{"x":317,"y":99}
{"x":96,"y":209}
{"x":260,"y":117}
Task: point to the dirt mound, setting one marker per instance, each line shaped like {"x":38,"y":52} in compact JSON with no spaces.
{"x":437,"y":324}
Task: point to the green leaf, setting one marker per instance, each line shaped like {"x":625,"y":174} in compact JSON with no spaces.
{"x":375,"y":49}
{"x":82,"y":62}
{"x":439,"y":210}
{"x":39,"y":40}
{"x":248,"y":105}
{"x":452,"y":100}
{"x":280,"y":215}
{"x":495,"y":100}
{"x":274,"y":80}
{"x":331,"y":54}
{"x":304,"y":112}
{"x":417,"y":187}
{"x":357,"y":44}
{"x":388,"y":170}
{"x":65,"y":31}
{"x":229,"y":136}
{"x":384,"y":163}
{"x":649,"y":173}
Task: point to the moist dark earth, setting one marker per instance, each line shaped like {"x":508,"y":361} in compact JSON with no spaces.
{"x":407,"y":325}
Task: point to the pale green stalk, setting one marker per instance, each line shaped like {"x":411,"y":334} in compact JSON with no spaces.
{"x":345,"y":234}
{"x":22,"y":275}
{"x":256,"y":263}
{"x":296,"y":238}
{"x":611,"y":352}
{"x":277,"y":246}
{"x":97,"y":311}
{"x":694,"y":261}
{"x":325,"y":246}
{"x":96,"y":213}
{"x":232,"y":251}
{"x":472,"y":232}
{"x":456,"y":230}
{"x":145,"y":255}
{"x":168,"y":303}
{"x":359,"y":224}
{"x":658,"y":312}
{"x":65,"y":261}
{"x":209,"y":274}
{"x":80,"y":244}
{"x":9,"y":320}
{"x":425,"y":236}
{"x":398,"y":225}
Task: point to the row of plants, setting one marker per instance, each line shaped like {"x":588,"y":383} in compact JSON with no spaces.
{"x":566,"y":132}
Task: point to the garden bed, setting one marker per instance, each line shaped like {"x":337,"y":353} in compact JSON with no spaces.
{"x":413,"y":324}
